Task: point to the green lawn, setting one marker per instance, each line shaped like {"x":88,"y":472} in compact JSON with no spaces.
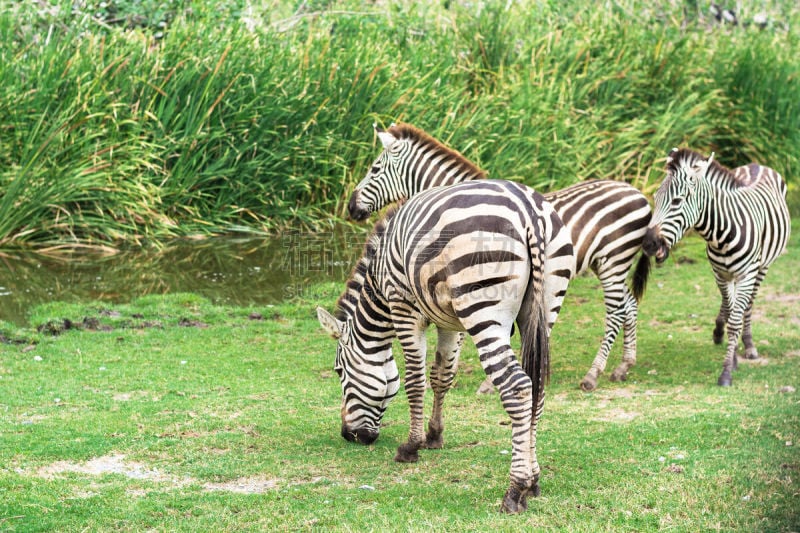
{"x":173,"y":414}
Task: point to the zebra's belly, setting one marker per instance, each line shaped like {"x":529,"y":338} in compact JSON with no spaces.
{"x":730,"y":266}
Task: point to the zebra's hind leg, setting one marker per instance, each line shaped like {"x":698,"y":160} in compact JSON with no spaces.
{"x":629,"y":342}
{"x":615,"y":295}
{"x":443,"y":373}
{"x":516,"y":396}
{"x":515,"y":389}
{"x":535,"y":490}
{"x":750,"y":350}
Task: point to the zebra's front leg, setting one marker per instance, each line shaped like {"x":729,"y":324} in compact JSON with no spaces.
{"x":412,"y":339}
{"x":726,"y":291}
{"x":743,"y":292}
{"x":443,"y":373}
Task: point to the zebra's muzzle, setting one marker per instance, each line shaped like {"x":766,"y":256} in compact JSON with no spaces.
{"x":356,"y":212}
{"x":361,"y":435}
{"x":654,"y":245}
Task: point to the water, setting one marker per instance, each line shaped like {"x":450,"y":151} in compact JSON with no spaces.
{"x":230,"y":271}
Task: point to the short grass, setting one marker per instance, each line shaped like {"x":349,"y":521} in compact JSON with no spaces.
{"x":172,"y":414}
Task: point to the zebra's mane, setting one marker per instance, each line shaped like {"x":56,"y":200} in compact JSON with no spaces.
{"x":347,"y":302}
{"x":684,"y":156}
{"x":417,"y":136}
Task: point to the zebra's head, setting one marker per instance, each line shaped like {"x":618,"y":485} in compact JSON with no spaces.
{"x":677,"y":202}
{"x":368,"y":374}
{"x":380,"y":186}
{"x":411,"y":161}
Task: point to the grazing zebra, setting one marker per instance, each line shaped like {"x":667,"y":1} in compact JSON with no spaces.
{"x":473,"y":257}
{"x":742,"y":215}
{"x":607,"y":220}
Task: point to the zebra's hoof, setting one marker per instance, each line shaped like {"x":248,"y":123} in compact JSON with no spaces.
{"x":619,"y":374}
{"x":407,"y":453}
{"x":588,"y":384}
{"x":751,"y":353}
{"x":515,"y":501}
{"x":434,"y":440}
{"x":725,"y":380}
{"x":486,"y":387}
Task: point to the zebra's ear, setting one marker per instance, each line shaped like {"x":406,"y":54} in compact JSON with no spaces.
{"x":330,"y":323}
{"x":701,"y":169}
{"x":710,"y":160}
{"x":387,"y":139}
{"x":672,"y":154}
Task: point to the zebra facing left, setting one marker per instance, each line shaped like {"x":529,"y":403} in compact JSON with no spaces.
{"x":743,"y":217}
{"x":471,"y":257}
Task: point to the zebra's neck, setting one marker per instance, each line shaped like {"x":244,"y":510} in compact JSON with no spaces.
{"x":349,"y":299}
{"x":717,"y":196}
{"x":438,"y":169}
{"x":431,"y":163}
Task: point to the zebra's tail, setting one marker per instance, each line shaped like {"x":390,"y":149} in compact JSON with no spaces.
{"x":640,"y":275}
{"x":532,"y":323}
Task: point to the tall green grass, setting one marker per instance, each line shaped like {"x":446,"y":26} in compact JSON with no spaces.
{"x":253,"y":117}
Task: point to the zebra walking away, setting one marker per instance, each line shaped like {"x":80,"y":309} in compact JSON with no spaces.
{"x":607,"y":221}
{"x":743,"y":217}
{"x":472,"y":257}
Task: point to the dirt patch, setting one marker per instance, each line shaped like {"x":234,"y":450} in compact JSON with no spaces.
{"x":133,"y":395}
{"x":248,"y":485}
{"x":116,"y":463}
{"x":782,"y":298}
{"x":108,"y":464}
{"x":616,"y":415}
{"x":613,"y":394}
{"x":761,"y":361}
{"x":783,"y":306}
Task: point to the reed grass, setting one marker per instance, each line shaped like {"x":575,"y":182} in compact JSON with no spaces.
{"x":236,"y":116}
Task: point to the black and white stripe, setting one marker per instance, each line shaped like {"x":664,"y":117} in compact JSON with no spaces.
{"x":743,"y":217}
{"x":476,"y":257}
{"x":606,"y":219}
{"x":417,"y":163}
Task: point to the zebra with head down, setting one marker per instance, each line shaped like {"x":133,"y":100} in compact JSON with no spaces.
{"x":606,"y":219}
{"x":743,"y":217}
{"x":475,"y":257}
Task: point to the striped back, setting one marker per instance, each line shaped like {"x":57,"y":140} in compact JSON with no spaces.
{"x":607,"y":221}
{"x":411,"y":161}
